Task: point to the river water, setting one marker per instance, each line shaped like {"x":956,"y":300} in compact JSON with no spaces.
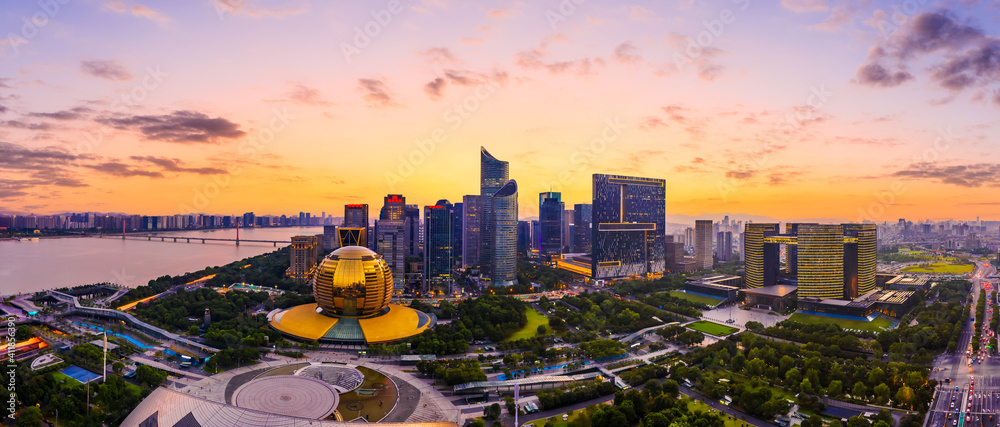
{"x":58,"y":262}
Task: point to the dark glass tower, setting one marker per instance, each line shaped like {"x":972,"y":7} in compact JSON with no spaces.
{"x":628,"y":227}
{"x":498,"y":224}
{"x":412,"y":218}
{"x":550,"y":214}
{"x":437,"y":247}
{"x":582,"y":219}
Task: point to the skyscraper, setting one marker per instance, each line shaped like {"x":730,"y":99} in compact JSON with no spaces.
{"x":457,"y":214}
{"x":567,"y":230}
{"x":303,"y":253}
{"x":724,"y":246}
{"x":412,"y":213}
{"x":356,"y":215}
{"x":703,"y":244}
{"x":394,"y":208}
{"x":582,"y":219}
{"x":437,"y":248}
{"x":390,"y":238}
{"x":550,"y":215}
{"x":761,"y":260}
{"x":628,"y":226}
{"x":523,"y":239}
{"x":472,"y":238}
{"x":499,"y":221}
{"x":542,"y":233}
{"x":354,"y":231}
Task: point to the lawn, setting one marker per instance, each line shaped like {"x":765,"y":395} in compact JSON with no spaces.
{"x":878,"y":325}
{"x":694,"y":405}
{"x":712,"y":328}
{"x":940,"y":267}
{"x":697,"y":299}
{"x":60,"y":377}
{"x":531,"y":329}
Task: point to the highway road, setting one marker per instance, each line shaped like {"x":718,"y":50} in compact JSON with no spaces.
{"x":972,"y":396}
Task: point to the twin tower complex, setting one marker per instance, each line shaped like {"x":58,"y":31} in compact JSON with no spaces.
{"x":828,"y":261}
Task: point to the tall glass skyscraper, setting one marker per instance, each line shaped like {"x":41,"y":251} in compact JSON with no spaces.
{"x":412,"y":218}
{"x":472,"y":237}
{"x":629,"y":219}
{"x":390,"y":238}
{"x":550,"y":214}
{"x":582,"y":219}
{"x":437,"y":248}
{"x":498,"y":221}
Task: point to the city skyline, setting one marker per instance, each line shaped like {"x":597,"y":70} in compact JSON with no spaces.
{"x":746,"y":122}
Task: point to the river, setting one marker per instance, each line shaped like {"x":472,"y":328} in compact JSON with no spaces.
{"x":32,"y":266}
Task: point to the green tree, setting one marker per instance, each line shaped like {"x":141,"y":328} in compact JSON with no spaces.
{"x":835,"y":388}
{"x":29,"y":417}
{"x":492,"y":412}
{"x":859,"y":391}
{"x":881,"y":394}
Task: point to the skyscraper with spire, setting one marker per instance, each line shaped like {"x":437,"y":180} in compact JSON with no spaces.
{"x":498,"y":221}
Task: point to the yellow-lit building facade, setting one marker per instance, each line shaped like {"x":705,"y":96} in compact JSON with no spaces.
{"x":825,"y":260}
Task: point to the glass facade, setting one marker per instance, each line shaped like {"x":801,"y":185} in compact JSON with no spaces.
{"x":582,"y":220}
{"x":471,"y":235}
{"x":437,"y":248}
{"x":550,"y":214}
{"x":498,"y":221}
{"x":627,"y":234}
{"x":353,"y":281}
{"x":503,"y":236}
{"x":390,"y":243}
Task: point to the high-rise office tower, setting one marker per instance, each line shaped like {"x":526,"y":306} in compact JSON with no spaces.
{"x":499,"y":221}
{"x":689,"y":237}
{"x":582,"y":219}
{"x":523,"y":239}
{"x":724,"y":246}
{"x":394,"y":208}
{"x":860,"y":259}
{"x":541,"y":199}
{"x":356,"y":215}
{"x":330,"y":241}
{"x":437,"y":248}
{"x":550,"y":216}
{"x":390,"y":238}
{"x":628,"y":232}
{"x":457,"y":215}
{"x":304,"y":252}
{"x":567,"y":230}
{"x":761,"y":260}
{"x":536,"y":230}
{"x":703,"y":244}
{"x":472,"y":238}
{"x":354,"y":231}
{"x":413,"y":242}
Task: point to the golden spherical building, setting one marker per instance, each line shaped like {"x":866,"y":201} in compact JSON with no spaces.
{"x":353,"y":281}
{"x":353,"y":289}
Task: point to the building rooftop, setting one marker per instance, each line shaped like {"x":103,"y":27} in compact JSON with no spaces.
{"x":773,"y":291}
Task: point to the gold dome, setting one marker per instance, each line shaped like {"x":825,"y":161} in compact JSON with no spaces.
{"x":353,"y":281}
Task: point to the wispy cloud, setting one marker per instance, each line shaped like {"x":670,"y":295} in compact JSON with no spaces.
{"x":184,"y":127}
{"x":106,"y":69}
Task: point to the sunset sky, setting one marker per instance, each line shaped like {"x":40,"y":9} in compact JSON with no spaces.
{"x":791,"y":109}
